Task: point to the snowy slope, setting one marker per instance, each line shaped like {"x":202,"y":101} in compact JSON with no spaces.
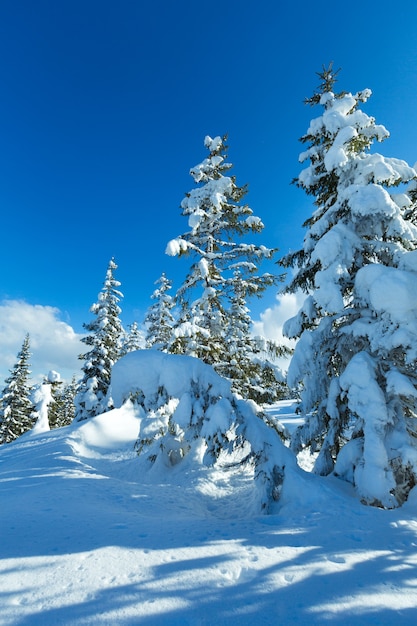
{"x":85,"y":541}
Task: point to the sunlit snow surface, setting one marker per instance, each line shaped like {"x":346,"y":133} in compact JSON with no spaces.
{"x":85,"y":541}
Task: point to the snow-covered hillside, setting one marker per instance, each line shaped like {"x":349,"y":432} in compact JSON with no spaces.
{"x":86,"y":539}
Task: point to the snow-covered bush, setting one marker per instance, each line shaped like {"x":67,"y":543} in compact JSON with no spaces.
{"x":188,"y":410}
{"x":42,"y":399}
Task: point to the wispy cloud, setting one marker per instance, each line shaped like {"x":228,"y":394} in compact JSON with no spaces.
{"x":54,"y":343}
{"x":273,"y":318}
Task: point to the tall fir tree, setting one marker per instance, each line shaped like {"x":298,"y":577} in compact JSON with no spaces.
{"x":360,"y":229}
{"x":16,"y":407}
{"x":159,"y":320}
{"x":218,"y":221}
{"x":105,"y":338}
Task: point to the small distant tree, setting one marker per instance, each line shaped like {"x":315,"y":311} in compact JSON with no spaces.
{"x":249,"y":361}
{"x":56,"y":404}
{"x":104,"y":340}
{"x":224,"y":270}
{"x":270,"y":384}
{"x":238,"y":364}
{"x":159,"y":320}
{"x":15,"y":404}
{"x":66,"y":412}
{"x":133,"y":339}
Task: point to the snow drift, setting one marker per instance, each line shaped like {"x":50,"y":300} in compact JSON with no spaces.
{"x":188,"y":413}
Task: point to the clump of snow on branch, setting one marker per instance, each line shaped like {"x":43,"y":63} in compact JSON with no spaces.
{"x":175,"y":247}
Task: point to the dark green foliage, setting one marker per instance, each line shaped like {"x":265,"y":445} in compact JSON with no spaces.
{"x":105,"y":341}
{"x":159,"y":320}
{"x":133,"y":339}
{"x":16,"y":407}
{"x":61,"y":411}
{"x":214,"y":323}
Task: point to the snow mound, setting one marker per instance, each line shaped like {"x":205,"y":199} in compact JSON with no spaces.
{"x":147,"y":370}
{"x":374,"y":282}
{"x":101,"y":436}
{"x":189,"y":418}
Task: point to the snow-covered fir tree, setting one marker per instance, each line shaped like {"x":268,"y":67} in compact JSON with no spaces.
{"x":16,"y":406}
{"x":218,"y":221}
{"x":105,"y":338}
{"x":66,"y":412}
{"x":249,"y":360}
{"x":238,"y":363}
{"x":355,"y":361}
{"x":133,"y":339}
{"x":61,"y":408}
{"x":159,"y":320}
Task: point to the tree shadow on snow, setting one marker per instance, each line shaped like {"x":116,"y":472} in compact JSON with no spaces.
{"x":320,"y":565}
{"x":301,"y":580}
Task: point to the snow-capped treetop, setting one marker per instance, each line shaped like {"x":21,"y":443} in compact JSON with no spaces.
{"x":343,"y":132}
{"x":53,"y":377}
{"x":350,"y":188}
{"x":214,"y":145}
{"x":215,"y":213}
{"x":215,"y":162}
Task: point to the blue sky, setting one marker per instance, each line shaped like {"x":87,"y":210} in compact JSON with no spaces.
{"x":105,"y":105}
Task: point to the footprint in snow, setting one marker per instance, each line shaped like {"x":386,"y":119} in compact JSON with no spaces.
{"x":237,"y":575}
{"x":336,"y":559}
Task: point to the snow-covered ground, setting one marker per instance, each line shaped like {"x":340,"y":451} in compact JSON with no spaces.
{"x":85,"y":539}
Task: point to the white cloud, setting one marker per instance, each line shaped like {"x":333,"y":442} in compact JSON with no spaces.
{"x":53,"y":343}
{"x":273,"y":318}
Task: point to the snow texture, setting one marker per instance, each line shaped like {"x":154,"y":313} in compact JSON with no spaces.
{"x":90,"y":543}
{"x":373,"y":478}
{"x":41,"y":398}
